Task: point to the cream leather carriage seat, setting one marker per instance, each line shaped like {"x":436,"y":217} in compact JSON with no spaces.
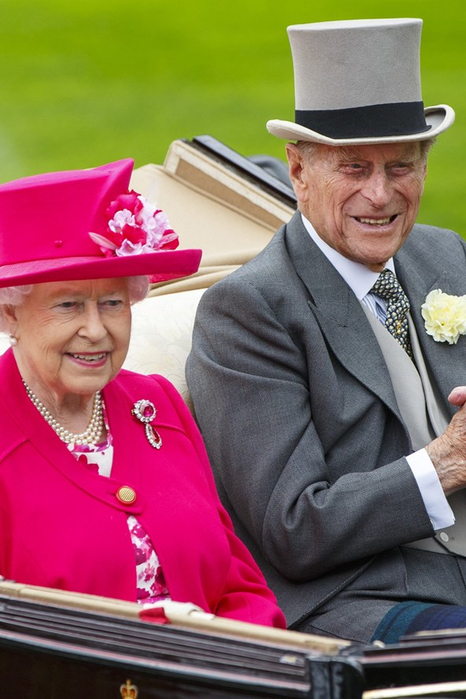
{"x":213,"y":208}
{"x":161,"y":336}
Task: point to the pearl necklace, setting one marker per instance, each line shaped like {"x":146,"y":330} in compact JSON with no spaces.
{"x":91,"y":435}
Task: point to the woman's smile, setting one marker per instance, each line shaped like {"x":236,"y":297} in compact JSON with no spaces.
{"x":89,"y":359}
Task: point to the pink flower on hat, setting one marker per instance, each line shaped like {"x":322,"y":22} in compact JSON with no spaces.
{"x":135,"y":227}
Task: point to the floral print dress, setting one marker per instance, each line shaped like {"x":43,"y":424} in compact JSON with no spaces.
{"x":150,"y":581}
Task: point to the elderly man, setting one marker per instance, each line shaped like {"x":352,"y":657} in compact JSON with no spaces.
{"x":328,"y":389}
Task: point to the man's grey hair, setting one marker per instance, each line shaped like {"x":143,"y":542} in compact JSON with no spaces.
{"x":138,"y":288}
{"x":309,"y":149}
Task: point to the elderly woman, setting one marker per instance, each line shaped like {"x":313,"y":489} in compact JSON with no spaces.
{"x":105,"y":485}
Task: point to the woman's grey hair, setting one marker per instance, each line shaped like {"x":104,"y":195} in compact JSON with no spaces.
{"x":138,"y":288}
{"x":14,"y":295}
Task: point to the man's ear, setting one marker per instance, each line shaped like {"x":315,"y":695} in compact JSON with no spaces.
{"x":296,"y":167}
{"x":423,"y":178}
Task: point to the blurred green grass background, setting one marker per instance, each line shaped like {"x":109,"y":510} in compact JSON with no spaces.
{"x":85,"y":82}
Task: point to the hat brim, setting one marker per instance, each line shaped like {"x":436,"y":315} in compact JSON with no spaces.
{"x":159,"y":266}
{"x":439,"y":118}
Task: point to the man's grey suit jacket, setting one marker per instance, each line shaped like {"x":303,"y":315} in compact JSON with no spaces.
{"x":300,"y":420}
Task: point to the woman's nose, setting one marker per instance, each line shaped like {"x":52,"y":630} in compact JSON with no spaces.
{"x":92,"y":325}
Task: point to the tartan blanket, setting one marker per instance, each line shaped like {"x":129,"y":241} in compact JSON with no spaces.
{"x":409,"y":617}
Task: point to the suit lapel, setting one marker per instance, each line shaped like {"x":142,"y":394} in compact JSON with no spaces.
{"x":445,"y":362}
{"x":339,"y":314}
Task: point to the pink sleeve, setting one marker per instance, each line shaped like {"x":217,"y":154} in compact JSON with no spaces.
{"x":246,"y":596}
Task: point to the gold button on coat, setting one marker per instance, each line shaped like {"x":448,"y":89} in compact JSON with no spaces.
{"x":126,"y":495}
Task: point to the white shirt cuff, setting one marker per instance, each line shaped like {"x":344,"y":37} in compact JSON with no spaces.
{"x":435,"y":501}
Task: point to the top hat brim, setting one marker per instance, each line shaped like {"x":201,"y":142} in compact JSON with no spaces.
{"x":438,"y":119}
{"x":158,"y":266}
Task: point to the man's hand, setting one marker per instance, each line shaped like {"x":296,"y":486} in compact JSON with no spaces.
{"x":458,"y":396}
{"x":448,"y":452}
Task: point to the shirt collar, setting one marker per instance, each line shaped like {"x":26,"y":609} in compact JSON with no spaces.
{"x":359,"y":278}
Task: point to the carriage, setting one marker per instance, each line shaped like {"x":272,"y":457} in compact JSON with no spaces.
{"x":62,"y":645}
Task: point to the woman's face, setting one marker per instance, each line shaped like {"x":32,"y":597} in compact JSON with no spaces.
{"x":72,"y":336}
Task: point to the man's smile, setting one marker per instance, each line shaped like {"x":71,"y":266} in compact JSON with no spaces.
{"x":376,"y":221}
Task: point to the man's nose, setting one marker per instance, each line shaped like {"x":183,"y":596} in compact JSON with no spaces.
{"x":378,"y":188}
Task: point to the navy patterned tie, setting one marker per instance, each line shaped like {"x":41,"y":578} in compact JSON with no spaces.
{"x":396,"y":322}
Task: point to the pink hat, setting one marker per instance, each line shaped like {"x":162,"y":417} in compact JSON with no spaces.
{"x":85,"y":224}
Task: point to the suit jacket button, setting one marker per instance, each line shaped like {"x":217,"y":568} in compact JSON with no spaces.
{"x":444,"y":537}
{"x":126,"y":495}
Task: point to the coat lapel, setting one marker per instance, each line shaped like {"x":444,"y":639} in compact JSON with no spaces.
{"x":339,"y":314}
{"x":52,"y":450}
{"x":445,"y":362}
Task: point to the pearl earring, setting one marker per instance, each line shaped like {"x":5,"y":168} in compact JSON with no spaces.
{"x":12,"y":340}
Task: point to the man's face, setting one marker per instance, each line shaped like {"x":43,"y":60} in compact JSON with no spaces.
{"x":362,"y":201}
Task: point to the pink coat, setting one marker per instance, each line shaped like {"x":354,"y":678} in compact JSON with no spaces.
{"x":62,"y":526}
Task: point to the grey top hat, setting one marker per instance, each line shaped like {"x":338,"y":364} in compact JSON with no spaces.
{"x":358,"y":81}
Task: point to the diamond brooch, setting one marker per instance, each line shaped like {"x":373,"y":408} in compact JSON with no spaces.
{"x":145,"y":412}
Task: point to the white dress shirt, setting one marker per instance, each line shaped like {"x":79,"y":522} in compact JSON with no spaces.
{"x":361,"y":279}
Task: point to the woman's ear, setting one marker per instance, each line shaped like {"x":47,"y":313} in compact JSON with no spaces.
{"x":8,"y":312}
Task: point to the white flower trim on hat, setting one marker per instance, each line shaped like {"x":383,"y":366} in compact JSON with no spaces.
{"x":135,"y":227}
{"x":444,"y":316}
